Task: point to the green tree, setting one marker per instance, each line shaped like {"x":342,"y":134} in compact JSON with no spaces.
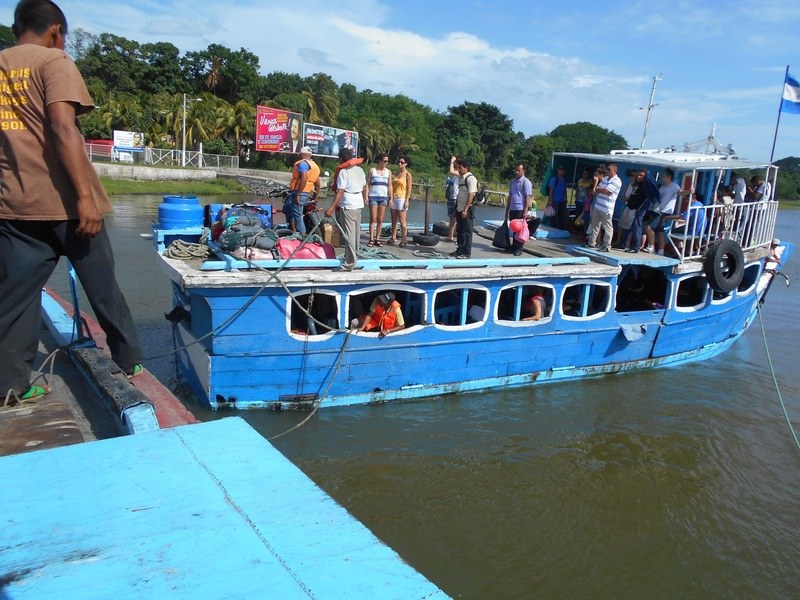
{"x":231,"y":75}
{"x":495,"y":135}
{"x":7,"y":38}
{"x":278,"y":83}
{"x":588,"y":137}
{"x":236,"y":122}
{"x":161,"y":69}
{"x":322,"y":97}
{"x":116,"y":62}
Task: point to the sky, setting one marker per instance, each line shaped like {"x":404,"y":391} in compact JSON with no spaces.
{"x":720,"y":63}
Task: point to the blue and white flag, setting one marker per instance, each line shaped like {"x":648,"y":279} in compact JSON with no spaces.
{"x":791,"y":95}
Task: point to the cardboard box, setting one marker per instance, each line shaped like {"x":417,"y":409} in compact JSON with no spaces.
{"x":331,"y":235}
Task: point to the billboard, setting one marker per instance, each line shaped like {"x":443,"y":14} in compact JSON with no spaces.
{"x":278,"y":130}
{"x":327,"y":141}
{"x":128,"y":141}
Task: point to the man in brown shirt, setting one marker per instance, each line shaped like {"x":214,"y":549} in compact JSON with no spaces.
{"x":51,"y":200}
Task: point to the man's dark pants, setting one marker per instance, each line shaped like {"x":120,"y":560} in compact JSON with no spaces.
{"x":29,"y":251}
{"x":464,"y":233}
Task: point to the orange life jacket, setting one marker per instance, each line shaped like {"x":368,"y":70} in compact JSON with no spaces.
{"x":386,"y":317}
{"x":345,"y":165}
{"x":313,"y":175}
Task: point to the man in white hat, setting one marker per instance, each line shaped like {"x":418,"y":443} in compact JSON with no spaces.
{"x":305,"y":180}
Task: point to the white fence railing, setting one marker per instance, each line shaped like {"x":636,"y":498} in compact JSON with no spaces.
{"x":162,"y":157}
{"x":751,"y":224}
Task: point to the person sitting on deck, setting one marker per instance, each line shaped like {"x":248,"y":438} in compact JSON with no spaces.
{"x":385,"y":315}
{"x":695,"y":218}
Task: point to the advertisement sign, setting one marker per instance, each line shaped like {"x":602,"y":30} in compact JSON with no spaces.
{"x":128,"y":141}
{"x":278,"y":130}
{"x":327,"y":141}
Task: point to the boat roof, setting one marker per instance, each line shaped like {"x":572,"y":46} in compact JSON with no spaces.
{"x":669,"y":158}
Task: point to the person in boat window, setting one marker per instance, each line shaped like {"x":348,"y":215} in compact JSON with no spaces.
{"x":51,"y":200}
{"x":606,"y":190}
{"x":379,"y":190}
{"x":536,"y":307}
{"x":401,"y":185}
{"x":557,"y":196}
{"x":477,"y":306}
{"x":520,"y":195}
{"x":467,"y":188}
{"x":385,"y":316}
{"x":305,"y":181}
{"x":351,"y":195}
{"x":668,"y":200}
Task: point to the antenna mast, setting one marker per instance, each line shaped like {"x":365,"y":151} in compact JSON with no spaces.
{"x":650,"y":106}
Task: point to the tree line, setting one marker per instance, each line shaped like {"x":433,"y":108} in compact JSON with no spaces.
{"x":140,"y":87}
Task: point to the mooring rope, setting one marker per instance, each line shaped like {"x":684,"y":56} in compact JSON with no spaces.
{"x":185,"y":250}
{"x":775,"y":379}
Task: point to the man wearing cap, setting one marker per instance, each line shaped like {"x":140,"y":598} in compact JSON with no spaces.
{"x":384,"y":315}
{"x":305,"y":179}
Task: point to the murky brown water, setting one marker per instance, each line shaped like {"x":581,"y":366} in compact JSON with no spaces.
{"x":674,"y":483}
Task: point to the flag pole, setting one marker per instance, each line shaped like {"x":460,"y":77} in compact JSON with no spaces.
{"x":780,"y":105}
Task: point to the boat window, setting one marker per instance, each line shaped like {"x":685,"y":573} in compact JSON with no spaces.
{"x":692,"y":292}
{"x":322,"y":306}
{"x":515,"y":303}
{"x":585,"y":300}
{"x":454,"y":307}
{"x":641,"y":288}
{"x":749,"y":279}
{"x":412,"y":306}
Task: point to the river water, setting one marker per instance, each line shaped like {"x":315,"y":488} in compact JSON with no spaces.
{"x":672,"y":483}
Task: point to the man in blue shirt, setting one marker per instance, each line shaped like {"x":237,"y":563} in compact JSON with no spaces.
{"x":557,"y":197}
{"x":520,"y":195}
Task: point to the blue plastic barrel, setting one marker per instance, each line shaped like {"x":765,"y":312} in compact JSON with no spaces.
{"x":180,"y":212}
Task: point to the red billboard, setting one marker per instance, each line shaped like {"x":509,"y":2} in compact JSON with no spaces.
{"x":278,"y":130}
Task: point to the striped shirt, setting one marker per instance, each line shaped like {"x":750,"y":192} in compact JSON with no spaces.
{"x":605,"y":202}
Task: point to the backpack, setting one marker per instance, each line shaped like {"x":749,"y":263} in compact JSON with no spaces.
{"x":450,"y":192}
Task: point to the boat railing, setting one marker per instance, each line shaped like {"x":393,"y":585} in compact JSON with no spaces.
{"x":751,"y":224}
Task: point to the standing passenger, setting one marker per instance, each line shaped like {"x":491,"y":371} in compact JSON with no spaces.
{"x":520,"y":194}
{"x":401,"y":185}
{"x":351,"y":195}
{"x":379,"y":190}
{"x":451,"y":192}
{"x":467,"y":188}
{"x":305,"y":180}
{"x":605,"y":192}
{"x":51,"y":200}
{"x":557,"y":197}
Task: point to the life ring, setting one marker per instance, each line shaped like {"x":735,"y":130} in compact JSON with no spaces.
{"x":724,"y":266}
{"x":422,"y":239}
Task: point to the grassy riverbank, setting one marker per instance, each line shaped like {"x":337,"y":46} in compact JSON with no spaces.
{"x":178,"y":188}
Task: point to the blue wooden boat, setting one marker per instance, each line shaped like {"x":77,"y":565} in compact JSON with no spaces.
{"x":276,"y":334}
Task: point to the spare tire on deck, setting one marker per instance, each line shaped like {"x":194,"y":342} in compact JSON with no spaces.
{"x":724,"y":266}
{"x":425,"y":239}
{"x":441,"y":228}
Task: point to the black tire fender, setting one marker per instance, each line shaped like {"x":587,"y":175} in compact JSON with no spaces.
{"x":441,"y":228}
{"x":724,"y":266}
{"x":425,"y":239}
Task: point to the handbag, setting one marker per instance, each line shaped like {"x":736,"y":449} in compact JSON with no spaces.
{"x":501,"y":237}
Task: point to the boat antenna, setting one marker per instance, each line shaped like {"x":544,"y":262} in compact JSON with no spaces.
{"x":650,"y":106}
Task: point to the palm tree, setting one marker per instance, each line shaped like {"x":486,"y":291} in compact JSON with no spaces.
{"x":322,"y":97}
{"x":237,"y":121}
{"x":122,"y":111}
{"x":375,"y":136}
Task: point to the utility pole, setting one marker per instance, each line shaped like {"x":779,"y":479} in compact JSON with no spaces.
{"x":650,"y":106}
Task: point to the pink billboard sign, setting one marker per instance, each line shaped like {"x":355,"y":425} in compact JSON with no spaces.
{"x":278,"y":130}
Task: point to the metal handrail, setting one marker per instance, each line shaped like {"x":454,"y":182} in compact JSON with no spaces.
{"x":751,"y":224}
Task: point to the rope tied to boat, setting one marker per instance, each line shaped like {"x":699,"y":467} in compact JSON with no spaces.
{"x":185,"y":250}
{"x":775,"y":379}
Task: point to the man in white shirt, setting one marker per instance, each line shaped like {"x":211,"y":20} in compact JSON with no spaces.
{"x":668,"y":199}
{"x":605,"y":191}
{"x":351,"y":196}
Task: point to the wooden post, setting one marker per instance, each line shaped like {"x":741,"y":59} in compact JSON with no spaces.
{"x":427,"y":208}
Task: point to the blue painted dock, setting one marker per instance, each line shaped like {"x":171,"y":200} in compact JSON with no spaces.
{"x":202,"y":511}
